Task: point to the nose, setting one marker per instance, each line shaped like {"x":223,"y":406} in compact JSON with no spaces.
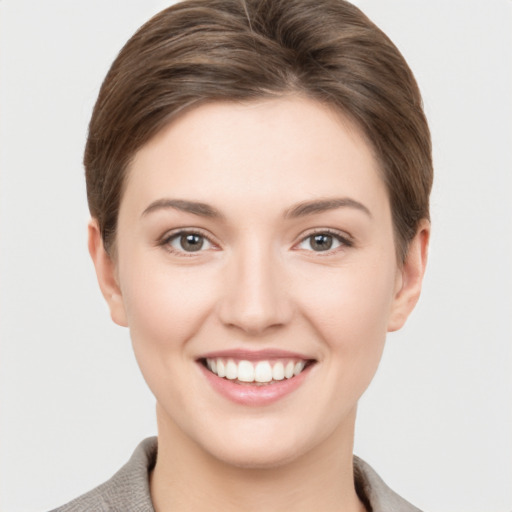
{"x":255,"y":298}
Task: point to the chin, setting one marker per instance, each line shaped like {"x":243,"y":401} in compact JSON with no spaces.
{"x":256,"y":457}
{"x":260,"y":444}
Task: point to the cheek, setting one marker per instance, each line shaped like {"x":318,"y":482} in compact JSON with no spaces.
{"x":358,"y":299}
{"x":165,"y":305}
{"x":350,"y":308}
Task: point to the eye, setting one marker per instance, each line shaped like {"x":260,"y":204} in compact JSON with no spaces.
{"x":323,"y":242}
{"x":187,"y":242}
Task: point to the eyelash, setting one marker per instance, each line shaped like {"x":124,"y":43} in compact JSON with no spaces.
{"x":343,"y":240}
{"x":176,"y":235}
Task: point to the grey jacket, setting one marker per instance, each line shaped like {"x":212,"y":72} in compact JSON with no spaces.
{"x":128,"y":489}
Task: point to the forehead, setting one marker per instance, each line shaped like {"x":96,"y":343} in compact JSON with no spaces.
{"x":272,"y":150}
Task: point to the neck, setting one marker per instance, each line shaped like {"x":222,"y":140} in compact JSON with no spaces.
{"x":186,"y":477}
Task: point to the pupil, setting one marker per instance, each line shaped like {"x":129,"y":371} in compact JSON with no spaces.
{"x":322,"y":242}
{"x":191,"y":242}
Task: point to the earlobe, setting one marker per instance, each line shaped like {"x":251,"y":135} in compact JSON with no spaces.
{"x":410,"y":278}
{"x":106,"y":274}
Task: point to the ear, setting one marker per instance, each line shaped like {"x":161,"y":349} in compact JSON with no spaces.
{"x":410,"y":277}
{"x":106,"y":273}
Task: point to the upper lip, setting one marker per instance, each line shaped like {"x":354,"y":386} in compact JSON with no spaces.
{"x":254,"y":355}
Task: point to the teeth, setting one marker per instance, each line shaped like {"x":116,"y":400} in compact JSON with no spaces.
{"x":245,"y":371}
{"x":288,"y":371}
{"x":221,"y":369}
{"x":261,"y":371}
{"x":231,"y":370}
{"x":298,"y":367}
{"x":278,"y":371}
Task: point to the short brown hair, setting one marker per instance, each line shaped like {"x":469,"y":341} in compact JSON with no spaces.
{"x":206,"y":50}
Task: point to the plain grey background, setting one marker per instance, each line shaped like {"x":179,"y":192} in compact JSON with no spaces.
{"x":437,"y":421}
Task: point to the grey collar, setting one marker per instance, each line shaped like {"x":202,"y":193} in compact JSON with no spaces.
{"x":128,"y":489}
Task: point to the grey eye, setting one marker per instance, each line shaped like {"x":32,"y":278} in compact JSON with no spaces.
{"x":189,"y":242}
{"x":320,"y":242}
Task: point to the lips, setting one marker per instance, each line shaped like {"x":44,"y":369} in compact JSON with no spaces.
{"x":255,"y":378}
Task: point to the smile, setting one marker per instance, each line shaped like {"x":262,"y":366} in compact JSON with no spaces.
{"x":255,"y":379}
{"x":259,"y":372}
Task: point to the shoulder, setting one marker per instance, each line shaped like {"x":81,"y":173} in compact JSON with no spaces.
{"x":126,"y":491}
{"x":374,"y":492}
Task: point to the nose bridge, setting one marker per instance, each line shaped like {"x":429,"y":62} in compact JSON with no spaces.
{"x":255,"y":296}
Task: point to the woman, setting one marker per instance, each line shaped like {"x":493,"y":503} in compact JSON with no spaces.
{"x":258,"y":175}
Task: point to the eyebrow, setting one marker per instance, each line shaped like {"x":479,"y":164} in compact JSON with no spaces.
{"x":302,"y":209}
{"x":194,"y":207}
{"x":321,"y":205}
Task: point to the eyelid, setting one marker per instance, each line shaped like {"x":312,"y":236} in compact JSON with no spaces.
{"x":166,"y":238}
{"x":345,"y":239}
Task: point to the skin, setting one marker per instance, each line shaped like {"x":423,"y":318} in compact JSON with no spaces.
{"x":257,"y":283}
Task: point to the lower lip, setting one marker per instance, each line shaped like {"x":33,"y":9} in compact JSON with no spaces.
{"x":252,"y":394}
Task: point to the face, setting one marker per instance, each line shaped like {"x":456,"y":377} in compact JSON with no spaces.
{"x":256,"y":270}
